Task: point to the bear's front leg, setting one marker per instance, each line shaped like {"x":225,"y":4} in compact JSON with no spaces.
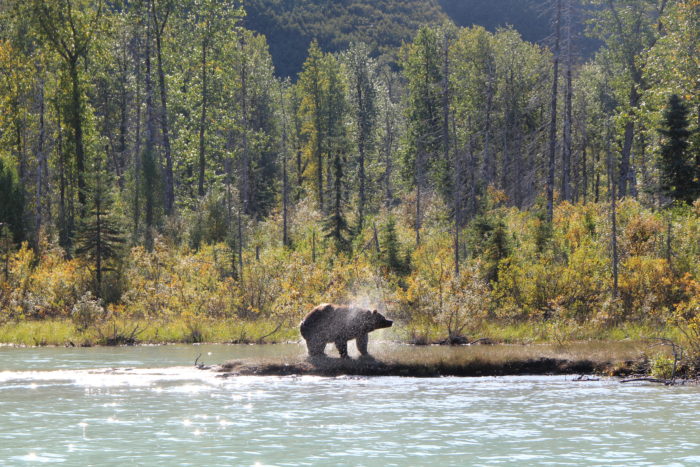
{"x":362,"y":344}
{"x":342,"y":346}
{"x":316,"y":348}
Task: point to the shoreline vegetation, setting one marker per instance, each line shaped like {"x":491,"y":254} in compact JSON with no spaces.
{"x":516,"y":350}
{"x":510,"y":289}
{"x":65,"y":333}
{"x":159,"y":182}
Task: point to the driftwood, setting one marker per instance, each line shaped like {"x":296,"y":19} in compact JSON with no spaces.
{"x":201,"y":366}
{"x":585,"y":378}
{"x":118,"y":337}
{"x":647,"y":379}
{"x":461,"y":340}
{"x":274,"y":331}
{"x":665,"y":382}
{"x":677,"y":354}
{"x":677,"y":351}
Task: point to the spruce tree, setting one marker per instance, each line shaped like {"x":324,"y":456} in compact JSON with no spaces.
{"x":390,"y":255}
{"x":336,"y":226}
{"x":678,"y":179}
{"x":11,"y":202}
{"x":335,"y":149}
{"x":100,"y":236}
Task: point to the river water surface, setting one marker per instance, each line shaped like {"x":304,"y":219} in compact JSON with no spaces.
{"x":148,"y":406}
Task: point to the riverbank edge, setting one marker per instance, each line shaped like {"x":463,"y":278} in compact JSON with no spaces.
{"x":368,"y":367}
{"x":65,"y":333}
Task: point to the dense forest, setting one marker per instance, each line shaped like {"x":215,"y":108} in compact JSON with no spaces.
{"x":291,"y":25}
{"x":384,"y":25}
{"x":155,"y":170}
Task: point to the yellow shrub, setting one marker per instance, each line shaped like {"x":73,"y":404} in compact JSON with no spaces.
{"x":47,"y":286}
{"x":641,"y":235}
{"x":686,"y":316}
{"x":646,"y":286}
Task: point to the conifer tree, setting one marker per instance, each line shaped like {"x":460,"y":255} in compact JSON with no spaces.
{"x":678,"y":176}
{"x":336,"y":150}
{"x":390,"y":254}
{"x":336,"y":225}
{"x":363,"y":98}
{"x":100,"y":236}
{"x":11,"y":202}
{"x":311,"y":115}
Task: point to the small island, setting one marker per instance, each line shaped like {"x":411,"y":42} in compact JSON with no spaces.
{"x":580,"y":359}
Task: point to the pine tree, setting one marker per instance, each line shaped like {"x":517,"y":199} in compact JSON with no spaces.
{"x":336,"y":226}
{"x":335,"y":109}
{"x":677,"y":175}
{"x":313,"y":131}
{"x":490,"y":241}
{"x":390,"y":255}
{"x":11,"y":202}
{"x":100,"y":236}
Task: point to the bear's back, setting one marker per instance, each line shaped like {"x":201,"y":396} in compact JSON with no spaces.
{"x":328,"y":318}
{"x":322,"y":313}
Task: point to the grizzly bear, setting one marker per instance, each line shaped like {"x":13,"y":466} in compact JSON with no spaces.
{"x":338,"y":324}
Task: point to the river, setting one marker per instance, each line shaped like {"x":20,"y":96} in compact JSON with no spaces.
{"x":149,"y":406}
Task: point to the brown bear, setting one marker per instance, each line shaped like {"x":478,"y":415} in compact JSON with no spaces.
{"x":339,"y":324}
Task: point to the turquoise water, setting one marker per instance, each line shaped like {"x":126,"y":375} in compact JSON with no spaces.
{"x":148,"y":406}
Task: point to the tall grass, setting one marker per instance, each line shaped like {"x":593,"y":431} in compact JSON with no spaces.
{"x":181,"y":330}
{"x":60,"y":332}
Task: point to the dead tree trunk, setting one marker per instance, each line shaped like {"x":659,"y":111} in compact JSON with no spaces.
{"x":285,"y":182}
{"x":41,"y":169}
{"x":568,"y":115}
{"x":613,"y":210}
{"x":488,"y":160}
{"x":159,"y":28}
{"x":419,"y":186}
{"x":245,"y":156}
{"x":149,"y":158}
{"x":553,"y":111}
{"x":203,"y":119}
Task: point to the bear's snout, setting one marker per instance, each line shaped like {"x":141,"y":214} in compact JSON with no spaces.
{"x":387,"y":323}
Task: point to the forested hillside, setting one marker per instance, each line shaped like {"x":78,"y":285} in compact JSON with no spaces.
{"x":530,"y":18}
{"x":154,"y":169}
{"x":291,"y":25}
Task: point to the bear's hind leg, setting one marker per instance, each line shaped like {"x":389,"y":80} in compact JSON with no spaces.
{"x":342,"y":347}
{"x":316,"y":348}
{"x":362,"y":344}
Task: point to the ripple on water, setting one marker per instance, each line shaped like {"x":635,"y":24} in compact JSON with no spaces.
{"x":152,"y":416}
{"x":33,"y":457}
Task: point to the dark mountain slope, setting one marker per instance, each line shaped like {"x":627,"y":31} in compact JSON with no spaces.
{"x":290,"y":25}
{"x":529,"y":17}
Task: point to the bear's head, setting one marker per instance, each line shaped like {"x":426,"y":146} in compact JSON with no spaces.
{"x":379,"y":321}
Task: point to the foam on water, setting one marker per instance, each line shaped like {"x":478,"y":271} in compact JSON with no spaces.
{"x":101,"y":377}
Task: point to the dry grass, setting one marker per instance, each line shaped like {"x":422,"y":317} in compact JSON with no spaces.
{"x":477,"y":360}
{"x":595,"y":351}
{"x":59,"y":332}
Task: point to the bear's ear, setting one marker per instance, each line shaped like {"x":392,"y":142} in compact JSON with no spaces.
{"x":374,"y":312}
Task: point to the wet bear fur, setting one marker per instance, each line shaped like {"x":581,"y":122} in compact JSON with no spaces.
{"x":339,"y":324}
